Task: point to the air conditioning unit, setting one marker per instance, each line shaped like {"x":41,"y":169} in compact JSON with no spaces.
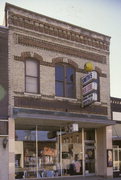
{"x":74,"y":127}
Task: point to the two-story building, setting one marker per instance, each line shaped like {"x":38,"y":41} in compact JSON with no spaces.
{"x":51,"y":130}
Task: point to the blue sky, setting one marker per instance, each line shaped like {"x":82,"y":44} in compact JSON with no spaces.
{"x":103,"y":16}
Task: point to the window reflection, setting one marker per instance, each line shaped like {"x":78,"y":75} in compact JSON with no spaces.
{"x":50,"y":154}
{"x":65,"y":80}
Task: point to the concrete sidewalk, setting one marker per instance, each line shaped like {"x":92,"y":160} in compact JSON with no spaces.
{"x":83,"y":178}
{"x":78,"y":178}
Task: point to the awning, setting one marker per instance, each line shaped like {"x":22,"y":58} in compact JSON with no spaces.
{"x":24,"y":116}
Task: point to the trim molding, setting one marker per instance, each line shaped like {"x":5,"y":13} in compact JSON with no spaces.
{"x":57,"y":31}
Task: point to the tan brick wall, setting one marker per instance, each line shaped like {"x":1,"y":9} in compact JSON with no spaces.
{"x":19,"y":78}
{"x":47,"y":80}
{"x":39,"y":45}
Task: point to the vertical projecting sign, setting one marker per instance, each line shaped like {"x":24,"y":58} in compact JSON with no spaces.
{"x":89,"y":84}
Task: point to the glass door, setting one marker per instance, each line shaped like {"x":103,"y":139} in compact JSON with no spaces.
{"x":72,"y":153}
{"x":89,"y":143}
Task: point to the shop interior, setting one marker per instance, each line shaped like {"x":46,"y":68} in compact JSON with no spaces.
{"x":42,"y":152}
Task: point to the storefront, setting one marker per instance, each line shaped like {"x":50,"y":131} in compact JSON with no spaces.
{"x":59,"y":119}
{"x":52,"y":148}
{"x":38,"y":155}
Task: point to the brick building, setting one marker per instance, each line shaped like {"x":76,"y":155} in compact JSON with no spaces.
{"x":49,"y":128}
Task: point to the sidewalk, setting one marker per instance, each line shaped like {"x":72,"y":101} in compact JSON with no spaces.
{"x":79,"y":178}
{"x":83,"y":178}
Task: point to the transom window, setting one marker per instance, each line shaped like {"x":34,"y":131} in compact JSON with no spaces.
{"x":65,"y":80}
{"x":31,"y":76}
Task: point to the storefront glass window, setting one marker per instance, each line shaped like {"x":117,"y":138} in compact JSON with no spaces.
{"x":40,"y":153}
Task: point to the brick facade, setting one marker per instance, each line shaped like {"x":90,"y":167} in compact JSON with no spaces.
{"x":33,"y":37}
{"x":50,"y":41}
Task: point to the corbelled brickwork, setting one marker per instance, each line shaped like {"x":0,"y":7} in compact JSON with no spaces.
{"x":58,"y":31}
{"x":29,"y":41}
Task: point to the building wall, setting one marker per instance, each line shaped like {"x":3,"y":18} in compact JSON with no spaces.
{"x":50,"y":41}
{"x":3,"y":72}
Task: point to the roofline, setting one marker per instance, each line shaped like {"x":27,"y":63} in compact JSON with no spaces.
{"x":7,"y":5}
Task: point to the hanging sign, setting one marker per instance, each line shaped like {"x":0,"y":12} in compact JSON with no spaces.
{"x":89,"y":99}
{"x":89,"y":88}
{"x":89,"y":77}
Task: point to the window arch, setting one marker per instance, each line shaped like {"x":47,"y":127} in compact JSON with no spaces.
{"x":31,"y":76}
{"x":64,"y":80}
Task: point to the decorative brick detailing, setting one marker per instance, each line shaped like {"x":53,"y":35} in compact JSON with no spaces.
{"x":38,"y":57}
{"x":33,"y":42}
{"x":57,"y":60}
{"x":47,"y":28}
{"x":60,"y":60}
{"x":98,"y":70}
{"x":24,"y":55}
{"x":73,"y":63}
{"x":65,"y":106}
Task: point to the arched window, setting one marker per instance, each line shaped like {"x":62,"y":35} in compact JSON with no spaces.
{"x":31,"y":76}
{"x":64,"y":80}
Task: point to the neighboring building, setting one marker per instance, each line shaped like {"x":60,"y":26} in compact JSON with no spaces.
{"x":3,"y":102}
{"x":116,"y":116}
{"x":49,"y":128}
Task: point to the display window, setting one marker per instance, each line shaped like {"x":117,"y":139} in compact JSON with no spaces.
{"x":40,"y":153}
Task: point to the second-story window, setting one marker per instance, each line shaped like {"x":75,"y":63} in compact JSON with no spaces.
{"x":65,"y":80}
{"x":31,"y":76}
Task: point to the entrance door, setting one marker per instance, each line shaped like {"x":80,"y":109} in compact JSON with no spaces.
{"x":89,"y":143}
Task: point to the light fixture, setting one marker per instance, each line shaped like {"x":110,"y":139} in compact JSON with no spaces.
{"x":5,"y":141}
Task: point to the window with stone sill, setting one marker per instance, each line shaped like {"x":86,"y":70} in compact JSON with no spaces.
{"x":64,"y":80}
{"x":31,"y":76}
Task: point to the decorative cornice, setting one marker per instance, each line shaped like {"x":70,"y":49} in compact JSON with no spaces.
{"x":57,"y":31}
{"x":37,"y":43}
